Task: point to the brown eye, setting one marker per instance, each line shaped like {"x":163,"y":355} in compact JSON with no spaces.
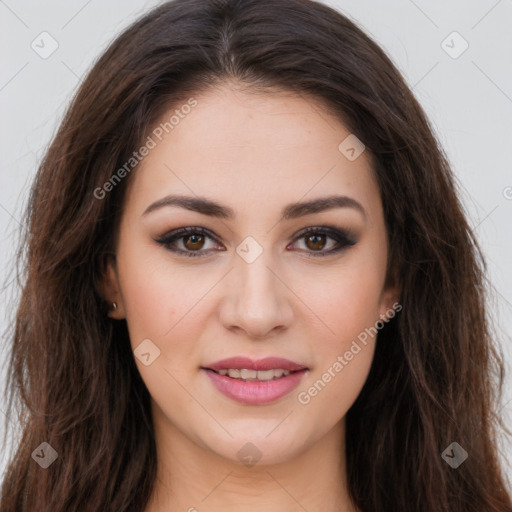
{"x":188,"y":241}
{"x":193,"y":242}
{"x":323,"y":241}
{"x":315,"y":242}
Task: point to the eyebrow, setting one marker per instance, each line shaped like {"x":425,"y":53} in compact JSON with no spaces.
{"x":291,"y":211}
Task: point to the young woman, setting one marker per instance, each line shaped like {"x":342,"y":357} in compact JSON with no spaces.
{"x":249,"y":283}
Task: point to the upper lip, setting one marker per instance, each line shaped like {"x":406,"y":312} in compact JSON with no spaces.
{"x":267,"y":363}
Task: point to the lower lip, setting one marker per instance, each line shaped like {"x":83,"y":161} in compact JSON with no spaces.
{"x":255,"y":392}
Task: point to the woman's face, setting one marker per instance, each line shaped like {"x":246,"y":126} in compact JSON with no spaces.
{"x":246,"y":282}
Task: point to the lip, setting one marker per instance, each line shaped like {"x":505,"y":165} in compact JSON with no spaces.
{"x":253,"y":392}
{"x":267,"y":363}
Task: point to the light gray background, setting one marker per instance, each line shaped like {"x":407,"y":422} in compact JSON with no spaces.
{"x":468,"y":99}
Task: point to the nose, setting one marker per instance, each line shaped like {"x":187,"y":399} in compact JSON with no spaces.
{"x":257,"y":302}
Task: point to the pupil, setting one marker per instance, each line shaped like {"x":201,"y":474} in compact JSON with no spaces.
{"x":319,"y":240}
{"x":195,"y":239}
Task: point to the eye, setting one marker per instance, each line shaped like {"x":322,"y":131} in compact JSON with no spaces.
{"x":316,"y":240}
{"x":193,"y":240}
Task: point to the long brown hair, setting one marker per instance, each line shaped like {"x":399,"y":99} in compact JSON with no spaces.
{"x":437,"y":375}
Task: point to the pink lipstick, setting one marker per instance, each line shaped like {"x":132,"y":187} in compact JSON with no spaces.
{"x":255,"y":382}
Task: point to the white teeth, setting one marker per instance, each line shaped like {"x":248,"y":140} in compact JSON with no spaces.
{"x":267,"y":374}
{"x":245,"y":374}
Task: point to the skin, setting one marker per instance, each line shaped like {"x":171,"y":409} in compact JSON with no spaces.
{"x":255,"y":153}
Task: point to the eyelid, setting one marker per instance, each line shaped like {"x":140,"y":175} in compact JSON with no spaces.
{"x":179,"y":233}
{"x":330,"y":230}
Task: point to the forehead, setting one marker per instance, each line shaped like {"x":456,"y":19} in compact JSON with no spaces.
{"x":243,"y":147}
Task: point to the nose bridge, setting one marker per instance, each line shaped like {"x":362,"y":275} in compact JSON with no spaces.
{"x":256,"y":284}
{"x":258,"y":299}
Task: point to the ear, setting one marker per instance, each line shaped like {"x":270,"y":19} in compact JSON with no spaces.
{"x":109,"y":289}
{"x":390,"y":297}
{"x":389,"y":303}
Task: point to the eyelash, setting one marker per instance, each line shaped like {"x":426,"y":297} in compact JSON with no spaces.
{"x":341,"y":237}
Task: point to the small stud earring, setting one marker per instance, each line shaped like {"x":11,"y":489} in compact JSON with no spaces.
{"x":114,"y":305}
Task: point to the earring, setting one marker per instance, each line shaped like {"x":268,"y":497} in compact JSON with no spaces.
{"x":114,"y":305}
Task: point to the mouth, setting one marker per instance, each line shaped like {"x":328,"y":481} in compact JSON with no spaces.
{"x":253,"y":382}
{"x":254,"y":375}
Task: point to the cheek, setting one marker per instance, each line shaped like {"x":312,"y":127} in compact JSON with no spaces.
{"x":159,"y":306}
{"x":346,"y":299}
{"x":348,"y":305}
{"x":344,"y":355}
{"x":158,"y":300}
{"x":151,"y":298}
{"x":351,"y":319}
